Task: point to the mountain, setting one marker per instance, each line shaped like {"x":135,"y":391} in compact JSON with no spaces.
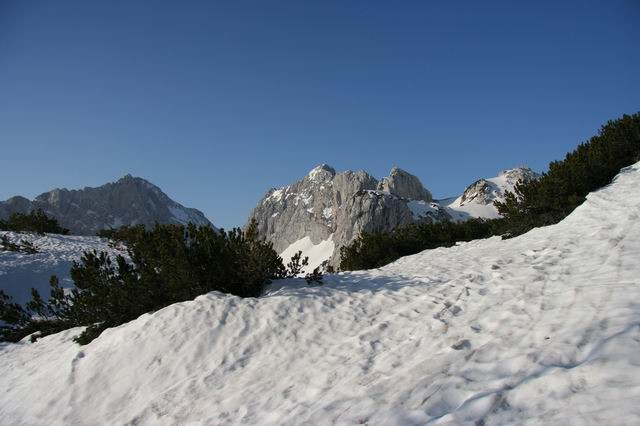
{"x":543,"y":328}
{"x":326,"y":210}
{"x":478,"y":198}
{"x":129,"y":201}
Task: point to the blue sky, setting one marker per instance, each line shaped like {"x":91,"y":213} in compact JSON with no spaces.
{"x":216,"y":101}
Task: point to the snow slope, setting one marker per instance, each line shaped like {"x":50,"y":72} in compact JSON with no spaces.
{"x":539,"y":329}
{"x":19,"y":272}
{"x":317,"y":253}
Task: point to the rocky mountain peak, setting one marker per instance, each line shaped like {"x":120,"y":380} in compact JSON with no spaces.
{"x":128,"y":201}
{"x":520,"y":173}
{"x":478,"y":199}
{"x":479,"y":191}
{"x":322,"y":173}
{"x":404,"y":185}
{"x":333,"y":206}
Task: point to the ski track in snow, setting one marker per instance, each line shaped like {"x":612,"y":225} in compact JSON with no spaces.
{"x":539,"y":329}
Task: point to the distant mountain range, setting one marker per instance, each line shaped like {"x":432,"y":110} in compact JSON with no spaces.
{"x":128,"y":201}
{"x":326,"y":210}
{"x":317,"y":214}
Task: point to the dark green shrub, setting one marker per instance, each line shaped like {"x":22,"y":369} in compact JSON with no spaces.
{"x":35,"y":221}
{"x":23,"y":246}
{"x":540,"y":202}
{"x":372,"y":250}
{"x":566,"y":184}
{"x":167,"y":264}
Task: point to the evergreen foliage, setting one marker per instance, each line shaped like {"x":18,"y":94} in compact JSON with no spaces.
{"x":540,"y":202}
{"x":565,"y":186}
{"x":23,"y":246}
{"x":35,"y":221}
{"x":372,"y":250}
{"x":167,"y":264}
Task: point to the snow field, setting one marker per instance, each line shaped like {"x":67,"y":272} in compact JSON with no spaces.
{"x":539,"y":329}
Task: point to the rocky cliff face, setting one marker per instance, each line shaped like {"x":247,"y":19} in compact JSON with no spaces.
{"x":404,"y":185}
{"x":129,"y":201}
{"x":327,"y":205}
{"x":332,"y":209}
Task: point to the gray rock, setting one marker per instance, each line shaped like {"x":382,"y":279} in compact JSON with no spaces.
{"x":129,"y":201}
{"x":479,"y":191}
{"x":485,"y":191}
{"x":341,"y":205}
{"x":404,"y":185}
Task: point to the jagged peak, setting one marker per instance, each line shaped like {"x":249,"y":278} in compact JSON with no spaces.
{"x":517,"y":169}
{"x":323,"y":172}
{"x":402,"y":183}
{"x":129,"y":177}
{"x":320,"y":168}
{"x":395,"y":170}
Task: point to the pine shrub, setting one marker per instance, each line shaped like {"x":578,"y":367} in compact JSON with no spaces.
{"x":35,"y":221}
{"x":165,"y":265}
{"x":535,"y":203}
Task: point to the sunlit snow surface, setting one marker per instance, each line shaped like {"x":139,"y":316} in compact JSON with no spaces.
{"x":19,"y":272}
{"x":540,"y":329}
{"x":317,"y":253}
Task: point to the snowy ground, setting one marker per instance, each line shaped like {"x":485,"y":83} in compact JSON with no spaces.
{"x":540,"y":329}
{"x":317,"y":253}
{"x":19,"y":272}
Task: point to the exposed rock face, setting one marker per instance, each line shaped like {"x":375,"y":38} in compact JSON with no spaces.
{"x":327,"y":204}
{"x":129,"y":201}
{"x":486,"y":191}
{"x":404,"y":185}
{"x":479,"y":192}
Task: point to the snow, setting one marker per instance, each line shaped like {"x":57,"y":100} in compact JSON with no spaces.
{"x":498,"y":185}
{"x":539,"y":329}
{"x":461,"y":212}
{"x":327,"y":213}
{"x":317,"y":253}
{"x":320,"y":171}
{"x":275,"y":196}
{"x":420,"y":208}
{"x":19,"y":271}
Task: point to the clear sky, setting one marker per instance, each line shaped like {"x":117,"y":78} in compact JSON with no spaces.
{"x":215,"y":102}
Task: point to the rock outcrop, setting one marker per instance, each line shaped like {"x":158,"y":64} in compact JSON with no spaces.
{"x":404,"y":185}
{"x":129,"y":201}
{"x":334,"y":208}
{"x":325,"y":204}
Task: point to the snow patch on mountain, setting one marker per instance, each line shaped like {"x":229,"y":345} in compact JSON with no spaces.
{"x":317,"y":253}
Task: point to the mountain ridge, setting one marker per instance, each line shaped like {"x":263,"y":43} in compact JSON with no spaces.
{"x":326,"y":210}
{"x":127,"y":201}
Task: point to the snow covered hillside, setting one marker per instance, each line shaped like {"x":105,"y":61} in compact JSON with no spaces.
{"x":20,"y":272}
{"x":539,"y":329}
